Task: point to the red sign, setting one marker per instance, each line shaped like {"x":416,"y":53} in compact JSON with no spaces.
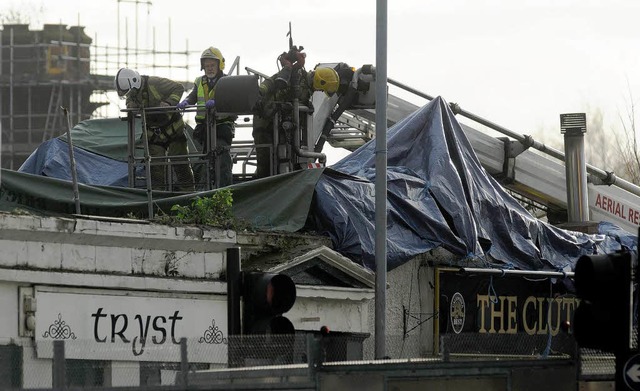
{"x":617,"y":208}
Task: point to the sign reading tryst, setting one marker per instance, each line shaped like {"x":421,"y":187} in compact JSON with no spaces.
{"x":105,"y":325}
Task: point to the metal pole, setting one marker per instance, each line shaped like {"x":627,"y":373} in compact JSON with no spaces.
{"x":137,"y":50}
{"x":11,"y":96}
{"x":212,"y":136}
{"x":1,"y":93}
{"x":576,"y":177}
{"x":147,"y":160}
{"x":233,"y":304}
{"x":131,"y":148}
{"x":381,"y":178}
{"x":523,"y":273}
{"x":119,"y":46}
{"x":72,"y":160}
{"x":573,"y":126}
{"x":184,"y":363}
{"x":59,"y":366}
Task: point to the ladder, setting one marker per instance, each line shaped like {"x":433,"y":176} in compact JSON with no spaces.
{"x":54,"y":118}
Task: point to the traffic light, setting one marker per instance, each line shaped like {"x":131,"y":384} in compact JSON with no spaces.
{"x":603,"y":319}
{"x":266,"y":296}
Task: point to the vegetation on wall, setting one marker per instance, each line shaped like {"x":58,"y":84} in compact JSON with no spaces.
{"x":215,"y":211}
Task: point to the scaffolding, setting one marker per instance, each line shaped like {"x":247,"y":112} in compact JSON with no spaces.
{"x":43,"y":71}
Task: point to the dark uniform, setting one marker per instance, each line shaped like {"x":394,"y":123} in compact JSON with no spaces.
{"x":272,"y":95}
{"x":165,"y":131}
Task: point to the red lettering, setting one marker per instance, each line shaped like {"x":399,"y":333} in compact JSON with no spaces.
{"x":609,"y":205}
{"x":599,"y":201}
{"x":633,"y":216}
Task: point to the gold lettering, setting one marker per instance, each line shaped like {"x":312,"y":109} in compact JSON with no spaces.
{"x":558,"y":302}
{"x":512,"y":308}
{"x":569,"y":305}
{"x":497,"y":314}
{"x":540,"y":315}
{"x":530,"y":330}
{"x":542,"y":325}
{"x":482,"y":301}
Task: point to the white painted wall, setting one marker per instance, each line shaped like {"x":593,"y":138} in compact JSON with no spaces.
{"x":87,"y":255}
{"x":411,"y":286}
{"x":112,"y":247}
{"x":403,"y":289}
{"x":339,"y":315}
{"x":9,"y":307}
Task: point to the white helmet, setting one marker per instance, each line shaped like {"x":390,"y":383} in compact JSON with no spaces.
{"x":127,"y":79}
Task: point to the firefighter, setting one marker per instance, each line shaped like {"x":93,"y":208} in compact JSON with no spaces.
{"x":164,"y":130}
{"x":292,"y":79}
{"x":203,"y":93}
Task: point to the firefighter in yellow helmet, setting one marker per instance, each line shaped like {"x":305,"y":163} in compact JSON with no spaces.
{"x":164,"y":130}
{"x":203,"y":95}
{"x":292,"y":79}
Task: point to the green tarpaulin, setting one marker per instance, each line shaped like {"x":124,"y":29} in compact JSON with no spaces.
{"x":278,"y":203}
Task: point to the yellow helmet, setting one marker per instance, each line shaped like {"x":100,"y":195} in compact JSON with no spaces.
{"x":213,"y":53}
{"x":325,"y":79}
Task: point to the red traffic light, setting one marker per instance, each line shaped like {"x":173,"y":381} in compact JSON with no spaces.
{"x":269,"y":292}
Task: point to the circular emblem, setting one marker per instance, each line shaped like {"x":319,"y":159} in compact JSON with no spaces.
{"x":456,"y":312}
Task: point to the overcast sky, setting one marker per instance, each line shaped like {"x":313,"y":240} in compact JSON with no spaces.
{"x":516,"y":63}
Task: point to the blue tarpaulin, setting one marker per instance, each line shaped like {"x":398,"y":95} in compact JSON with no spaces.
{"x":52,"y":159}
{"x":438,"y":196}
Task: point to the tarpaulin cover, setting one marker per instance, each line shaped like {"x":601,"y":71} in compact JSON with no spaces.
{"x":438,"y":196}
{"x":100,"y":154}
{"x":279,"y":203}
{"x":52,"y":159}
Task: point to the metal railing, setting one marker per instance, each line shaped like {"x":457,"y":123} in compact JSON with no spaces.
{"x":599,"y":176}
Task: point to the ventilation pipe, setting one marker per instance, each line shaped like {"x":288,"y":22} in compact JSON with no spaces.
{"x":574,"y":126}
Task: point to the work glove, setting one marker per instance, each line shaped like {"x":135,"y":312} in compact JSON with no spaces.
{"x":182,"y":105}
{"x":284,"y":61}
{"x":211,"y":103}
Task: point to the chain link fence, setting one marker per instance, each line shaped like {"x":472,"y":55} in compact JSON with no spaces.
{"x":280,"y":357}
{"x":507,"y":345}
{"x":59,"y":364}
{"x":592,"y":364}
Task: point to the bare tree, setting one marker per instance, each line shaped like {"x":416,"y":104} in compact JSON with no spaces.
{"x":597,"y":139}
{"x":626,"y":144}
{"x":614,"y":148}
{"x":13,"y":16}
{"x":26,"y":13}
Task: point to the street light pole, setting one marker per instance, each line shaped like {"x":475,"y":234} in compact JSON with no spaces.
{"x":381,"y":178}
